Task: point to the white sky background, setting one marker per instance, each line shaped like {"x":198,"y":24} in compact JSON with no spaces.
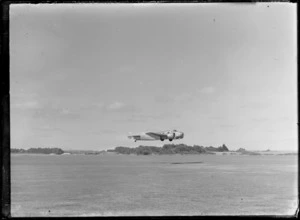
{"x":85,"y":75}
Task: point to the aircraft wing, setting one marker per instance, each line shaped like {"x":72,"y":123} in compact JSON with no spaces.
{"x":157,"y":135}
{"x":133,"y":136}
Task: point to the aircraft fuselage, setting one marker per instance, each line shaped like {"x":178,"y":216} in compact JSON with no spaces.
{"x":153,"y":136}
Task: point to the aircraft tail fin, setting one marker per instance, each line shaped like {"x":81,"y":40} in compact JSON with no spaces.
{"x":130,"y":136}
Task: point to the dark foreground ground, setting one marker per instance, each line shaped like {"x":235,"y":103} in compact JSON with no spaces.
{"x":89,"y":185}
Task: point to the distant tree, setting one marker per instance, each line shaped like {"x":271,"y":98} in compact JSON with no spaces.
{"x":169,"y":146}
{"x":16,"y":150}
{"x":211,"y":148}
{"x":241,"y":150}
{"x":45,"y":150}
{"x":199,"y":149}
{"x":123,"y":150}
{"x":183,"y":149}
{"x":223,"y":148}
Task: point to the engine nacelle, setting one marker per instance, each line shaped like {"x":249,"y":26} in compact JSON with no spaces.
{"x":171,"y":135}
{"x":179,"y":135}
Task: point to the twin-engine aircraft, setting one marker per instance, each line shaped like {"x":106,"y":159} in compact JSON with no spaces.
{"x":152,"y":136}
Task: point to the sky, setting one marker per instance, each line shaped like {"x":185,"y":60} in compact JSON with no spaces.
{"x":85,"y":76}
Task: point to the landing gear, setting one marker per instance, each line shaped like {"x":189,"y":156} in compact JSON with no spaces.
{"x":170,"y":139}
{"x":162,"y":139}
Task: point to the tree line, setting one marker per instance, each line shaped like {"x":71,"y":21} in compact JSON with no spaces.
{"x":38,"y":150}
{"x":169,"y":149}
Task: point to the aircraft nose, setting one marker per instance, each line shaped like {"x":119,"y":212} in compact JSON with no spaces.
{"x":182,"y":135}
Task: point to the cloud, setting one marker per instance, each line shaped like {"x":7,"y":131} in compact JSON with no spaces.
{"x":96,"y":105}
{"x":65,"y":111}
{"x":183,"y":97}
{"x":255,"y":105}
{"x":26,"y":105}
{"x":260,"y":119}
{"x":164,"y":99}
{"x":20,"y":94}
{"x":112,"y":107}
{"x":228,"y":125}
{"x":125,"y":69}
{"x":207,"y":90}
{"x":49,"y":129}
{"x":51,"y":112}
{"x":108,"y":131}
{"x":115,"y":106}
{"x":143,"y":117}
{"x":119,"y":107}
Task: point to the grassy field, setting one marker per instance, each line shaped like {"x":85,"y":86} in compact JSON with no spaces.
{"x":89,"y":185}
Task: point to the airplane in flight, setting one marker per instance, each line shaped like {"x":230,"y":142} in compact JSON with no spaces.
{"x":162,"y":135}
